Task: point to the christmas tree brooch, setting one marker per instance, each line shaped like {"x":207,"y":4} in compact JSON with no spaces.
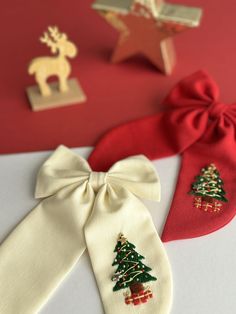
{"x":131,"y":273}
{"x":208,"y":190}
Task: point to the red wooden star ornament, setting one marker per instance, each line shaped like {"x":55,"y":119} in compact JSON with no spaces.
{"x":146,"y":27}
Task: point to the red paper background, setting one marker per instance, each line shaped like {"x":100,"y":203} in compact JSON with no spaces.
{"x":116,"y":93}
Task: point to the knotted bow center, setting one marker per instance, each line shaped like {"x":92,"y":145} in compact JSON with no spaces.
{"x":66,"y":170}
{"x":216,"y":109}
{"x":97,"y":180}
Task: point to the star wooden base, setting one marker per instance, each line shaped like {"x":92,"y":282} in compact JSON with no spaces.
{"x":74,"y":95}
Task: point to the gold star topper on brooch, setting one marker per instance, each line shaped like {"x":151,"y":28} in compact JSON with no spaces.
{"x":122,"y":238}
{"x":147,"y":27}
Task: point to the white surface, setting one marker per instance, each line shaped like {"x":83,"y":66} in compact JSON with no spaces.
{"x":204,"y":269}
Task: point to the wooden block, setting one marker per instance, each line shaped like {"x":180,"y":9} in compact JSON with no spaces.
{"x":74,"y":95}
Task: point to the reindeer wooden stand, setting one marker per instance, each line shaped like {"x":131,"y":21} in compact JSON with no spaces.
{"x":64,"y":92}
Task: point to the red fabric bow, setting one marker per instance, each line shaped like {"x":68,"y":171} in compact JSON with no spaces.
{"x":200,"y":128}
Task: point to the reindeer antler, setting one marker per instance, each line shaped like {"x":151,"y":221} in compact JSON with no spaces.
{"x":51,"y":38}
{"x":54,"y":32}
{"x":54,"y":39}
{"x":47,"y":40}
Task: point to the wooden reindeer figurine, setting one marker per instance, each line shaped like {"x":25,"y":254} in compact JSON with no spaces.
{"x":64,"y":92}
{"x":43,"y":67}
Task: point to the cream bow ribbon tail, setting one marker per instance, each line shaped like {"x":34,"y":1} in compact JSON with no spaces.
{"x":83,"y":209}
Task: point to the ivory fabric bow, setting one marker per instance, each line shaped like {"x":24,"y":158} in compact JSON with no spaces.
{"x":202,"y":129}
{"x":83,"y":209}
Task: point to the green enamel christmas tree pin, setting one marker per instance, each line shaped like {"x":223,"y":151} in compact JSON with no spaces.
{"x":131,"y":273}
{"x":208,"y":190}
